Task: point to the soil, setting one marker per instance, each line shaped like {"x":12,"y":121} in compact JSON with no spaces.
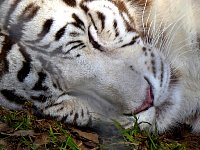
{"x":38,"y":133}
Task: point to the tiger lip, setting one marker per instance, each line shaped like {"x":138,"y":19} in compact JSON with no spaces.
{"x":147,"y":103}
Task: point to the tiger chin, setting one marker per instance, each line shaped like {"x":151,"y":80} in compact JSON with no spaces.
{"x":88,"y":62}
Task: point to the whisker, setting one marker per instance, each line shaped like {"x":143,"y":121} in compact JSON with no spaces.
{"x":181,"y":54}
{"x":143,"y":16}
{"x":179,"y":43}
{"x":170,"y":37}
{"x":187,"y":45}
{"x":148,"y":33}
{"x":158,"y":32}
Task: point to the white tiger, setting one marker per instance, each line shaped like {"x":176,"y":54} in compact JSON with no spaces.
{"x":90,"y":61}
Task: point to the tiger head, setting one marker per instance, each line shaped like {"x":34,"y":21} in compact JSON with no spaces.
{"x":122,"y":75}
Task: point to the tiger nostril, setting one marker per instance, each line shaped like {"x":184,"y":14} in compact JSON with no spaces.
{"x":148,"y":81}
{"x":151,"y":87}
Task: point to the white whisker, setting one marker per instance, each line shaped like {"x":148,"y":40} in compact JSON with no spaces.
{"x":183,"y":53}
{"x":179,"y":43}
{"x":187,"y":45}
{"x":143,"y":16}
{"x":148,"y":33}
{"x":166,"y":44}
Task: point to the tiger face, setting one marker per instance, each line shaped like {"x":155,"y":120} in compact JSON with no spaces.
{"x":130,"y":75}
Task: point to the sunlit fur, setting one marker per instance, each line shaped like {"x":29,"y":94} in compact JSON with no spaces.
{"x":87,"y":62}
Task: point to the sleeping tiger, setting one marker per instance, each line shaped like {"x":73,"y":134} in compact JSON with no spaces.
{"x":85,"y":62}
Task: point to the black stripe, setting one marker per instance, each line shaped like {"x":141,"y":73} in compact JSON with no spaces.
{"x":64,"y":118}
{"x":74,"y":34}
{"x":11,"y":96}
{"x":71,"y":113}
{"x":101,"y":17}
{"x":132,"y":41}
{"x":82,"y":113}
{"x":60,"y":33}
{"x":11,"y":10}
{"x":72,"y":42}
{"x":25,"y":70}
{"x":4,"y":63}
{"x":128,"y":27}
{"x":39,"y":84}
{"x":84,"y":7}
{"x":16,"y":30}
{"x":78,"y":21}
{"x":161,"y":75}
{"x":198,"y":41}
{"x":78,"y":55}
{"x":75,"y":119}
{"x":74,"y":47}
{"x":77,"y":25}
{"x":29,"y":12}
{"x":115,"y":24}
{"x":116,"y":29}
{"x":23,"y":73}
{"x":71,"y":3}
{"x":81,"y":48}
{"x":61,"y":108}
{"x":46,"y":27}
{"x":153,"y":68}
{"x":95,"y":43}
{"x":40,"y":98}
{"x":92,"y":21}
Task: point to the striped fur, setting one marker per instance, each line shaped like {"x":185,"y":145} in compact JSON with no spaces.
{"x":89,"y":61}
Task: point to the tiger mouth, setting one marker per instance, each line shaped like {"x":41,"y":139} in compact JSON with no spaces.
{"x":147,"y":103}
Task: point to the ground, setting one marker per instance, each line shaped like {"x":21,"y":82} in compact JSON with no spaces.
{"x":21,"y":130}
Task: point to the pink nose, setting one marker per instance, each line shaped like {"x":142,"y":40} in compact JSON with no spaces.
{"x":147,"y":103}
